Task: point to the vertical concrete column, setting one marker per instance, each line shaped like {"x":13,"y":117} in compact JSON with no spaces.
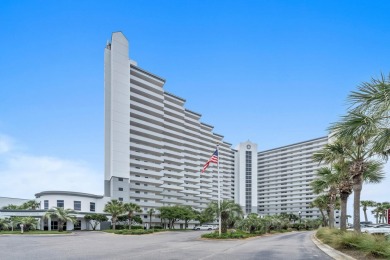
{"x":49,"y":223}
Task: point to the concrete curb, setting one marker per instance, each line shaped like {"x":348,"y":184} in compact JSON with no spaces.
{"x":330,"y":251}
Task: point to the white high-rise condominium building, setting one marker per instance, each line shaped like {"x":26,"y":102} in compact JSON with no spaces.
{"x":155,"y":149}
{"x":154,"y":146}
{"x":284,"y":177}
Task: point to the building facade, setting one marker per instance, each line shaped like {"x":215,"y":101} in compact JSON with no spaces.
{"x":155,"y":149}
{"x":154,"y":146}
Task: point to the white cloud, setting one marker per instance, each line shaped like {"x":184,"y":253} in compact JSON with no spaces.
{"x":22,"y":175}
{"x":6,"y":144}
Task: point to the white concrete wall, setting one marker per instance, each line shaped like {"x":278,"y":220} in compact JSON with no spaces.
{"x":117,"y":107}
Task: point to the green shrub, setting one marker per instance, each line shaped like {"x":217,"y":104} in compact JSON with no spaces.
{"x":157,"y":227}
{"x":374,"y":245}
{"x":133,"y":232}
{"x":229,"y":235}
{"x":137,"y":227}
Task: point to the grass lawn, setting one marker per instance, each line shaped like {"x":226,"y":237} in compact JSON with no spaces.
{"x":34,"y":232}
{"x":360,"y":246}
{"x":238,"y":234}
{"x":140,"y":231}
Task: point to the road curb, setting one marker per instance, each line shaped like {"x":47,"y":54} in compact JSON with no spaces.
{"x":330,"y":251}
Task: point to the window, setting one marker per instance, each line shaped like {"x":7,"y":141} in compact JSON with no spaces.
{"x":45,"y":204}
{"x":92,"y":206}
{"x":120,"y":199}
{"x":60,"y":203}
{"x":120,"y":179}
{"x":77,"y":205}
{"x":120,"y":189}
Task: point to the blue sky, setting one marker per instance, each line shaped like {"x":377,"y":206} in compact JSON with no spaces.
{"x":274,"y":72}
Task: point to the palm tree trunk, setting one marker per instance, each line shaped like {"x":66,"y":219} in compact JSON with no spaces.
{"x":113,"y":224}
{"x":60,"y":226}
{"x":328,"y":213}
{"x":357,"y":189}
{"x":343,"y":217}
{"x":365,"y":214}
{"x":323,"y":218}
{"x":130,"y":223}
{"x":150,"y":221}
{"x":331,"y":216}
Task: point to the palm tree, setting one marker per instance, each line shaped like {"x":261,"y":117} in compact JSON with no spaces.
{"x":62,"y":215}
{"x":326,"y":181}
{"x":4,"y":223}
{"x":322,"y":203}
{"x":11,"y":206}
{"x":229,"y":210}
{"x":383,"y":211}
{"x":356,"y":154}
{"x":370,"y":113}
{"x":365,"y":204}
{"x":115,"y":208}
{"x":131,"y":209}
{"x":28,"y":222}
{"x":366,"y":128}
{"x":31,"y":204}
{"x":151,"y":211}
{"x":376,"y":211}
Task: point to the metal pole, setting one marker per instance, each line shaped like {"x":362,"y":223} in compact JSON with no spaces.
{"x":219,"y":194}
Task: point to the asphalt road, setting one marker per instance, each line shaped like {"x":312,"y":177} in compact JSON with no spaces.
{"x":160,"y":246}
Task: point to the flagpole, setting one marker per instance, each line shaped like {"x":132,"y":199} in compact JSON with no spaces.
{"x":219,"y":193}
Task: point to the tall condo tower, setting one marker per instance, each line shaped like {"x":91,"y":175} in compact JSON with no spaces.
{"x":155,"y":147}
{"x":116,"y":117}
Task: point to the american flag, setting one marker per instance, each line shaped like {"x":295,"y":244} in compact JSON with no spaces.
{"x":213,"y":159}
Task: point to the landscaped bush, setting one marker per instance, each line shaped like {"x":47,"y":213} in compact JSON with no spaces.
{"x":298,"y":226}
{"x":229,"y":235}
{"x":137,"y":227}
{"x":133,"y":232}
{"x":119,"y":227}
{"x":157,"y":227}
{"x":374,"y":245}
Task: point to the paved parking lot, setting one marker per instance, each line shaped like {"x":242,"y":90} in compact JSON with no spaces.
{"x":165,"y":245}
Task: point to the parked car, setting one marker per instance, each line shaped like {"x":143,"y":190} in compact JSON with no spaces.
{"x":204,"y":227}
{"x":377,"y":229}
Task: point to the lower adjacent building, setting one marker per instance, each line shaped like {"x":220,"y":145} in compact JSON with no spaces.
{"x":155,"y":148}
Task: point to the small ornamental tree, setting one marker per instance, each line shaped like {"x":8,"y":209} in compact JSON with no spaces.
{"x":131,"y":209}
{"x":95,"y":219}
{"x":62,"y":215}
{"x":187,"y":214}
{"x":115,"y":208}
{"x":4,"y":223}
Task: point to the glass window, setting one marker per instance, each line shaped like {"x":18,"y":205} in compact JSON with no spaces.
{"x":60,"y":203}
{"x":120,"y":199}
{"x":92,"y":206}
{"x":120,"y":189}
{"x":120,"y":179}
{"x":77,"y":205}
{"x":45,"y":204}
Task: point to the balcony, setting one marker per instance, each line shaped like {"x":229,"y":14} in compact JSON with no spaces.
{"x":172,"y":180}
{"x":151,"y":173}
{"x":171,"y":186}
{"x":135,"y":179}
{"x":142,"y":187}
{"x":145,"y":156}
{"x":134,"y":195}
